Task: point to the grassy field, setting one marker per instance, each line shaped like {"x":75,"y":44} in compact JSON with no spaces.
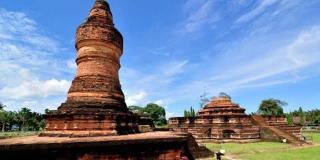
{"x":310,"y":153}
{"x":17,"y":134}
{"x":270,"y":150}
{"x":315,"y":137}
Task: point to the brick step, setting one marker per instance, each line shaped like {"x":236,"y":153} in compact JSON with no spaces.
{"x":277,"y":131}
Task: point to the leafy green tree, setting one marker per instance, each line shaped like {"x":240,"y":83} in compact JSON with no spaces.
{"x":302,"y":116}
{"x":311,"y":116}
{"x":290,"y":119}
{"x":46,"y":111}
{"x":2,"y":106}
{"x":190,"y":113}
{"x":3,"y":119}
{"x":186,"y":113}
{"x":317,"y":120}
{"x":157,"y":113}
{"x":25,"y":119}
{"x":12,"y":119}
{"x":271,"y":107}
{"x":22,"y":117}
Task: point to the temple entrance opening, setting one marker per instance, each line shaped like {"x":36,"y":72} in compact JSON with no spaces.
{"x":227,"y":134}
{"x":226,"y":119}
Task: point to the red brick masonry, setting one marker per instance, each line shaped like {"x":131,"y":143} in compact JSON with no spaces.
{"x":220,"y":119}
{"x":155,"y":145}
{"x":95,"y":105}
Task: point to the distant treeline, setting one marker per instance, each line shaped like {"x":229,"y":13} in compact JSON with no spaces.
{"x":311,"y":117}
{"x":22,"y":120}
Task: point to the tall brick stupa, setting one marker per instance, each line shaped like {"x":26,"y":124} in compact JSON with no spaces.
{"x":95,"y":104}
{"x":94,"y":122}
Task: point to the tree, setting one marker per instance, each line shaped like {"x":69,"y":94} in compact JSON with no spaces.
{"x":157,"y":113}
{"x":25,"y":119}
{"x":12,"y":119}
{"x":302,"y":116}
{"x":2,"y":106}
{"x":3,"y":119}
{"x":271,"y":107}
{"x":186,"y":113}
{"x":317,"y":120}
{"x":290,"y":119}
{"x":23,"y":116}
{"x":190,"y":113}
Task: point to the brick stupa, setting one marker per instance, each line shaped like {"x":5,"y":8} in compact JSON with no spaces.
{"x":94,"y":123}
{"x":220,"y":119}
{"x":95,"y":105}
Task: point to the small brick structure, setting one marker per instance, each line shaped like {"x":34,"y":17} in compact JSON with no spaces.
{"x":221,"y":120}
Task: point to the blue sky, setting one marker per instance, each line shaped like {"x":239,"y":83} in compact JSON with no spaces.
{"x":175,"y":50}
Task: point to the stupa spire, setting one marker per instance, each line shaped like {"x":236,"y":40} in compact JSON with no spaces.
{"x":101,"y":12}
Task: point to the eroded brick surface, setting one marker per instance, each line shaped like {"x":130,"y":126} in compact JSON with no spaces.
{"x":220,"y":119}
{"x":95,"y":103}
{"x":223,"y":120}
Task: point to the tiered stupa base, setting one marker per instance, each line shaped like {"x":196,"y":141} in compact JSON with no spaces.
{"x":220,"y":120}
{"x":83,"y":120}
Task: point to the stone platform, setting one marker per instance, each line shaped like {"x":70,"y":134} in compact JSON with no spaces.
{"x":153,"y":145}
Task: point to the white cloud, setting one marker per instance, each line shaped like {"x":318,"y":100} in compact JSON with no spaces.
{"x":260,"y":8}
{"x":191,"y":5}
{"x":36,"y":88}
{"x":15,"y":22}
{"x":270,"y":67}
{"x":305,"y":50}
{"x":198,"y":17}
{"x":136,"y":99}
{"x":71,"y":64}
{"x":154,"y":85}
{"x":263,"y":6}
{"x":29,"y":63}
{"x":170,"y":114}
{"x":175,"y":68}
{"x":160,"y":102}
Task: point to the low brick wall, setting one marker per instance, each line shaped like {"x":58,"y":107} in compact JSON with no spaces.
{"x":163,"y":146}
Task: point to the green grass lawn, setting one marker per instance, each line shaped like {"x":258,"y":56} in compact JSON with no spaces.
{"x":247,"y":148}
{"x":17,"y":134}
{"x":315,"y":137}
{"x":312,"y":153}
{"x":271,"y":150}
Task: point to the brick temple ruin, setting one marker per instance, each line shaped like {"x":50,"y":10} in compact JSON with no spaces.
{"x":94,"y":123}
{"x":95,"y":105}
{"x":222,"y":120}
